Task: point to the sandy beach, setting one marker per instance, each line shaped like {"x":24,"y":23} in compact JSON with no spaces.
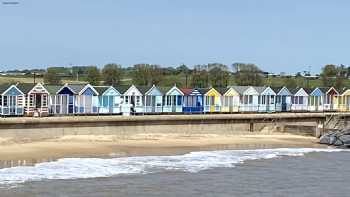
{"x":26,"y":152}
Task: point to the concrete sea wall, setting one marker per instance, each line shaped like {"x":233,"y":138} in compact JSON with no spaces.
{"x":24,"y":128}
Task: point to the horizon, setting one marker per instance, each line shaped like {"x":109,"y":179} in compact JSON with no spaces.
{"x":277,"y":36}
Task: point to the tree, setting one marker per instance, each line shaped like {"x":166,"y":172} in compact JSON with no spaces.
{"x":93,"y":75}
{"x":218,"y":75}
{"x":333,"y":75}
{"x":200,"y":76}
{"x":184,"y":70}
{"x":146,"y":74}
{"x":51,"y":76}
{"x":112,"y":74}
{"x":247,"y":74}
{"x":290,"y":83}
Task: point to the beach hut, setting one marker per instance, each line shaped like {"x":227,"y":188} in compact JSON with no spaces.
{"x":153,"y":100}
{"x":267,"y":99}
{"x":316,"y":97}
{"x":283,"y":99}
{"x":173,"y":99}
{"x":109,"y":100}
{"x":229,"y":99}
{"x":86,"y":98}
{"x":299,"y":99}
{"x":193,"y":100}
{"x":11,"y":100}
{"x":212,"y":100}
{"x":133,"y":97}
{"x":36,"y":99}
{"x":61,"y":99}
{"x":330,"y":99}
{"x":249,"y":98}
{"x":343,"y":100}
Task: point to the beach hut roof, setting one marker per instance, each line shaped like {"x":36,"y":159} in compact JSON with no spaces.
{"x":260,"y":89}
{"x":76,"y":87}
{"x":309,"y":90}
{"x":101,"y":89}
{"x":26,"y":87}
{"x":122,"y":88}
{"x":52,"y":89}
{"x":143,"y":89}
{"x":222,"y":91}
{"x":240,"y":89}
{"x":203,"y":90}
{"x":186,"y":91}
{"x":342,"y":90}
{"x":4,"y":87}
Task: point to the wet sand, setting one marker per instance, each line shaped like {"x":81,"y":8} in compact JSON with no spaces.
{"x":29,"y":152}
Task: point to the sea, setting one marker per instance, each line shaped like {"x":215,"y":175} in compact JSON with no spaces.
{"x":276,"y":172}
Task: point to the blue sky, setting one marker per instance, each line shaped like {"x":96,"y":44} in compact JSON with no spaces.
{"x":276,"y":35}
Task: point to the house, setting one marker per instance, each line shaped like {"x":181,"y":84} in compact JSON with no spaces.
{"x":316,"y":97}
{"x":36,"y":99}
{"x":193,"y":100}
{"x":153,"y":100}
{"x":330,"y":99}
{"x":133,"y":97}
{"x":267,"y":99}
{"x":212,"y":100}
{"x":283,"y":99}
{"x":229,"y":99}
{"x":249,"y":98}
{"x":109,"y":100}
{"x":299,"y":99}
{"x":11,"y":101}
{"x":173,"y":99}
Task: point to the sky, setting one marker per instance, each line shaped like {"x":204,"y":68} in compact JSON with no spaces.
{"x":278,"y":36}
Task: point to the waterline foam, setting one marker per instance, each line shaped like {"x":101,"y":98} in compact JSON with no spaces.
{"x":79,"y":168}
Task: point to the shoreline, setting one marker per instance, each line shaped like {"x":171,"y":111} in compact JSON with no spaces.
{"x":14,"y":153}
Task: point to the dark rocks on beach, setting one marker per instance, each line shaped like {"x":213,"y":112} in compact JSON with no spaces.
{"x":336,"y":138}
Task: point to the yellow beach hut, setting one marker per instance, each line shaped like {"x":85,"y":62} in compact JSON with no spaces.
{"x":212,"y":100}
{"x":343,"y":100}
{"x":229,"y":100}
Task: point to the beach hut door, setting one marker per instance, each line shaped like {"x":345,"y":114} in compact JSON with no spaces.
{"x":173,"y":103}
{"x":284,"y":103}
{"x":64,"y":104}
{"x":12,"y":105}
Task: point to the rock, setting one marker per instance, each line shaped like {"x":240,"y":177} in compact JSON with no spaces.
{"x":337,"y":138}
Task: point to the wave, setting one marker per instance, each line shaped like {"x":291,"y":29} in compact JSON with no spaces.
{"x":80,"y":168}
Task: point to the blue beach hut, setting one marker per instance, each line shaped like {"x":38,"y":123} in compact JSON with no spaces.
{"x":109,"y":100}
{"x":283,"y":99}
{"x":61,"y":99}
{"x":153,"y":100}
{"x":316,"y":97}
{"x":193,"y":100}
{"x":11,"y":101}
{"x":173,"y":100}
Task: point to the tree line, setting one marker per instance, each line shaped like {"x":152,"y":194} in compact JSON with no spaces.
{"x":207,"y":75}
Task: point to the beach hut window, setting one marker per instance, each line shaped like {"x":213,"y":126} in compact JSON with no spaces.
{"x":250,"y":99}
{"x":263,"y":100}
{"x":272,"y":101}
{"x":278,"y":99}
{"x":179,"y":100}
{"x":5,"y":101}
{"x":138,"y":100}
{"x":44,"y":100}
{"x":31,"y":100}
{"x":0,"y":100}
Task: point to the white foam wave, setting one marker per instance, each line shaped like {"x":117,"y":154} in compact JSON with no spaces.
{"x":76,"y":168}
